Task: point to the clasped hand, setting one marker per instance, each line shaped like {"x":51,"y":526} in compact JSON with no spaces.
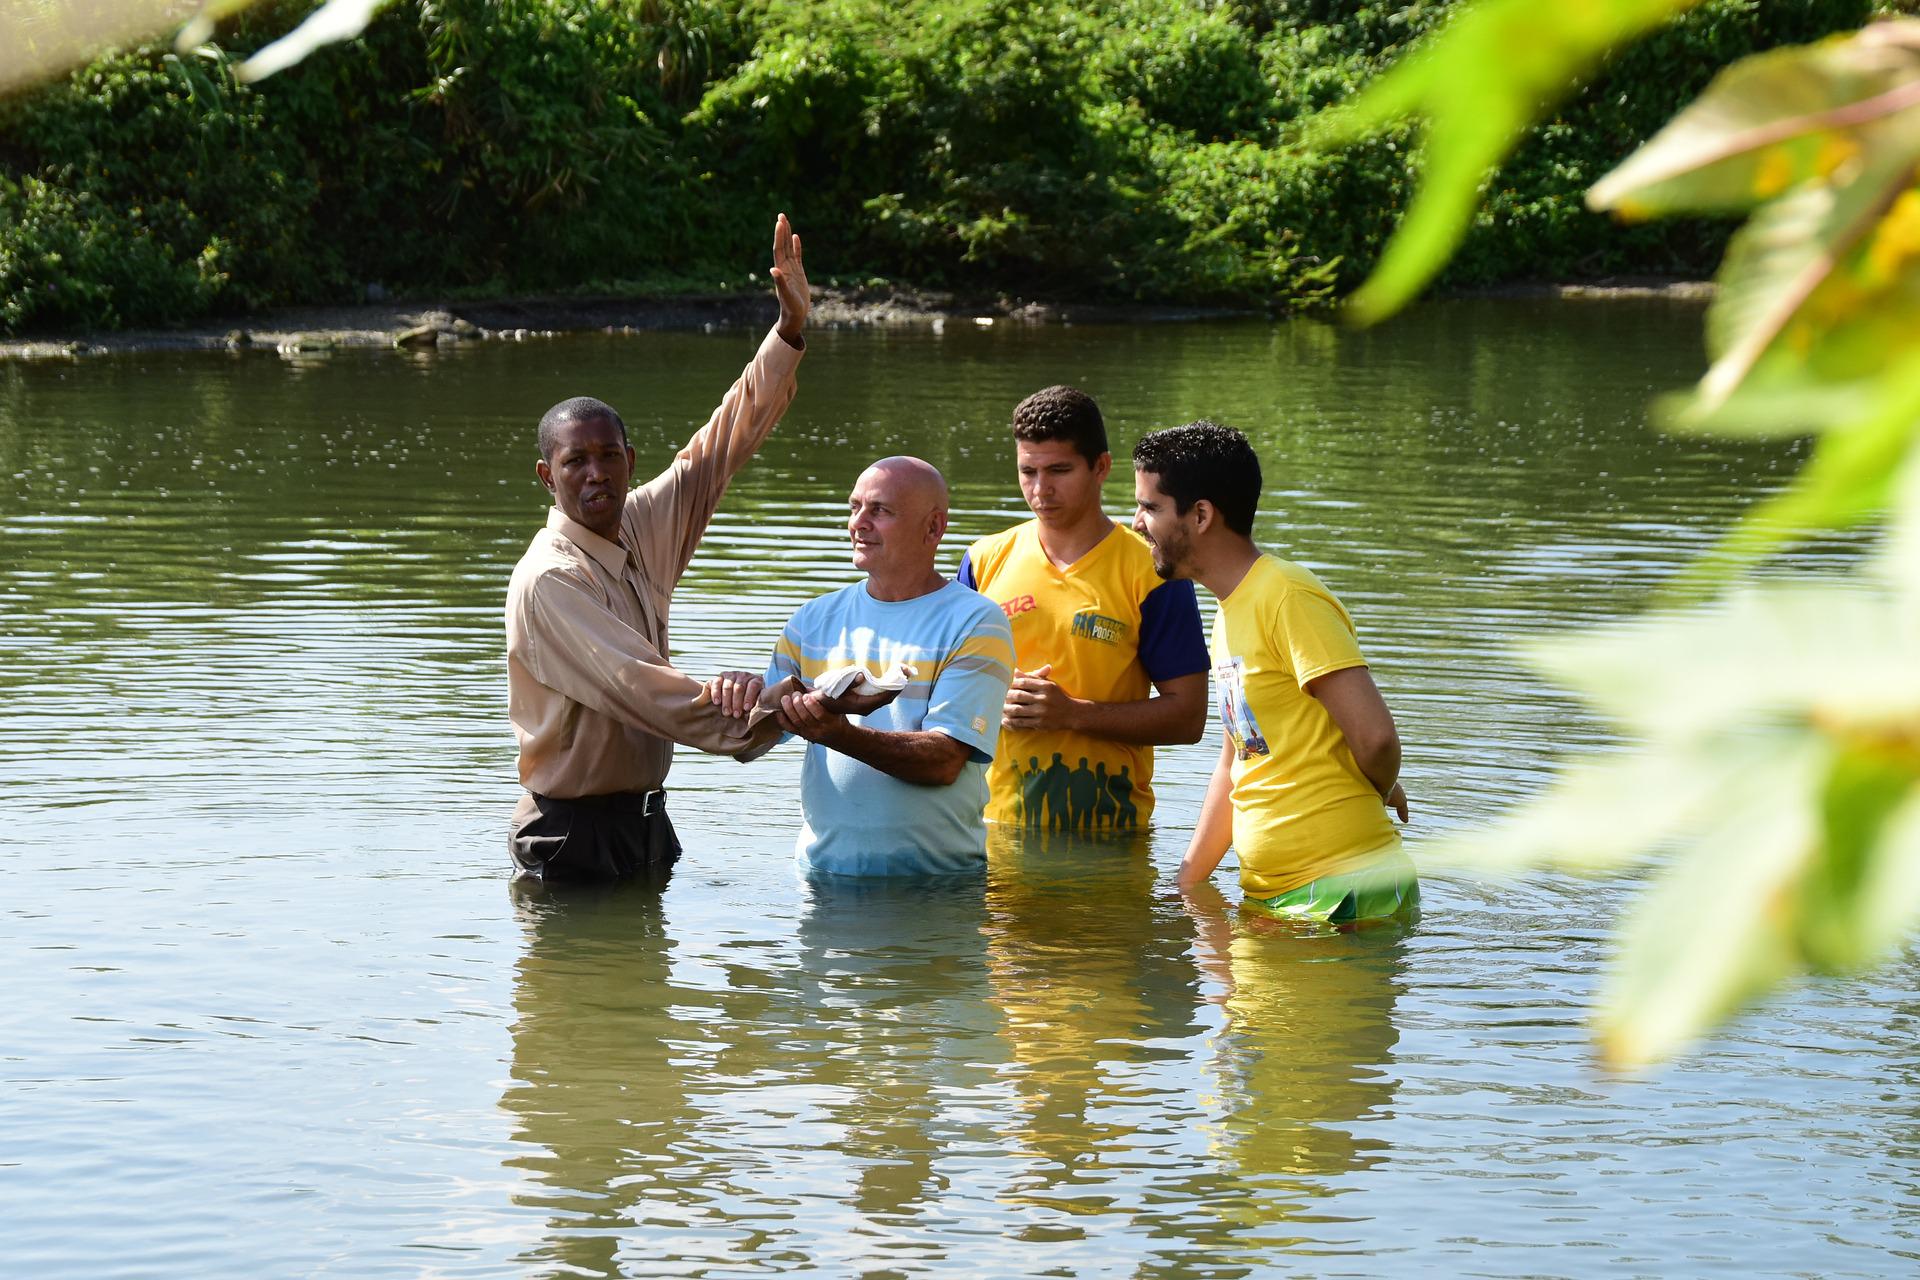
{"x":1034,"y":701}
{"x":798,"y":709}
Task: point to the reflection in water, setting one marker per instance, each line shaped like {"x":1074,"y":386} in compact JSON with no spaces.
{"x":1301,"y":1066}
{"x":896,"y":1028}
{"x":659,"y":1115}
{"x":598,"y":1092}
{"x":1089,"y":982}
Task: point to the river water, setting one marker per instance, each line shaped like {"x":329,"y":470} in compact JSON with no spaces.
{"x":273,"y":1010}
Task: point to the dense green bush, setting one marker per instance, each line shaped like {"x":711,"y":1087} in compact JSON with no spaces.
{"x":164,"y":190}
{"x":1137,"y":149}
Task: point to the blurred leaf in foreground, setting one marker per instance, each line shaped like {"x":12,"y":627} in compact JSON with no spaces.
{"x":1816,"y":324}
{"x":334,"y":21}
{"x":1826,"y":138}
{"x":43,"y":39}
{"x":1867,"y":433}
{"x":1775,"y":775}
{"x":1770,"y":122}
{"x":1479,"y":82}
{"x":1775,"y":778}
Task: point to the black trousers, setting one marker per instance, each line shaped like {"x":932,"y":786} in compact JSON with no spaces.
{"x":592,"y":838}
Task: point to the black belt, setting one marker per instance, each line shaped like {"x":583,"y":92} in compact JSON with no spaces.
{"x":644,"y":803}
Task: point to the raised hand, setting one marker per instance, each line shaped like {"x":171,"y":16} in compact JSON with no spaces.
{"x":790,"y":281}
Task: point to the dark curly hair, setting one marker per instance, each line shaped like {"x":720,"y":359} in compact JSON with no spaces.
{"x":1204,"y":460}
{"x":1062,"y":413}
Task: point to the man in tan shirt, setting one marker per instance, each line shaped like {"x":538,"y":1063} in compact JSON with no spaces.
{"x":595,"y":703}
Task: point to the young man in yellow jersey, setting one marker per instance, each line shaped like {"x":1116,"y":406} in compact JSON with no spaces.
{"x":1096,"y":633}
{"x":1311,"y":759}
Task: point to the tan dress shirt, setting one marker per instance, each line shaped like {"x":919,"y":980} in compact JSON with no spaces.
{"x":594,"y":702}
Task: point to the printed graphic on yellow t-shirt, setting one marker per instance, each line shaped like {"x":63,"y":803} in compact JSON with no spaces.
{"x":1301,"y":806}
{"x":1086,"y":621}
{"x":1236,"y":717}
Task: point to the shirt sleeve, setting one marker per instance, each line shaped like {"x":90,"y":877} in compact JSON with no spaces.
{"x":568,"y":639}
{"x":1171,"y":642}
{"x":785,"y":660}
{"x":970,"y":688}
{"x":965,"y":576}
{"x":667,"y":516}
{"x":1315,"y":634}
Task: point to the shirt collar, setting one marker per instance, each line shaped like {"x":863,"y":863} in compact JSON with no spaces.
{"x":610,"y":556}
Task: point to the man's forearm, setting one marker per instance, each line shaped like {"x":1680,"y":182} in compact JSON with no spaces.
{"x":1361,"y":715}
{"x":1381,"y":765}
{"x":1213,"y":831}
{"x":1148,"y":722}
{"x":924,"y":758}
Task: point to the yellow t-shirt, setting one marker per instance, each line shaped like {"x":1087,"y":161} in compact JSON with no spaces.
{"x":1111,"y":627}
{"x":1301,"y":806}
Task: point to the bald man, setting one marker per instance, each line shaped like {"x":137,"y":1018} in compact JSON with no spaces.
{"x":898,"y":791}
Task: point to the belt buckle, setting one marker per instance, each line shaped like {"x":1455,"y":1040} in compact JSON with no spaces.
{"x":653,"y":802}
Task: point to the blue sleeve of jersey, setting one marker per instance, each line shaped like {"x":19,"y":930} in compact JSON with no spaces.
{"x":970,"y":689}
{"x":965,"y":576}
{"x":780,"y":666}
{"x":1171,"y":642}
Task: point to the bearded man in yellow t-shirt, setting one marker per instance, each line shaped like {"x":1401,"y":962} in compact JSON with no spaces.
{"x":1111,"y":657}
{"x":1310,"y":760}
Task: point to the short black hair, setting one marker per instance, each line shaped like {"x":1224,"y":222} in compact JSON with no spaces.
{"x":578,"y":409}
{"x":1062,"y":413}
{"x":1204,"y":460}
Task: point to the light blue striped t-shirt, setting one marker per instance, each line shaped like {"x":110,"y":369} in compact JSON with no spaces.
{"x":858,"y":821}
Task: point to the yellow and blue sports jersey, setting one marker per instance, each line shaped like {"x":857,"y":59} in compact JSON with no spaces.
{"x":1111,"y":628}
{"x":1301,"y":807}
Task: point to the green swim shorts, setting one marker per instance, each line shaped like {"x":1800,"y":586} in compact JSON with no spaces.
{"x":1383,"y":887}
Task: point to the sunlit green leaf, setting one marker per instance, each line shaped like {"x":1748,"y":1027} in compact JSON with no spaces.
{"x":1775,"y":120}
{"x":1889,"y":906}
{"x":1849,"y":479}
{"x":1710,"y":931}
{"x":1777,"y":735}
{"x":1763,"y":407}
{"x":1478,"y":81}
{"x":1899,"y":560}
{"x":1820,"y":283}
{"x":1765,"y":656}
{"x":1867,"y":785}
{"x":1605,"y":812}
{"x":1782,"y":258}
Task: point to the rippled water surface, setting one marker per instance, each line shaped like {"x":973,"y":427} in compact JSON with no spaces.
{"x":273,"y":1010}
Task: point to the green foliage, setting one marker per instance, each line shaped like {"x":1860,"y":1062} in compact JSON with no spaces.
{"x":1196,"y":70}
{"x":70,"y":258}
{"x":1225,"y":241}
{"x":1778,"y":734}
{"x":1139,"y":149}
{"x":174,"y":196}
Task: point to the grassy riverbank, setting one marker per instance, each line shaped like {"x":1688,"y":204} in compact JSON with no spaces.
{"x":1143,"y":153}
